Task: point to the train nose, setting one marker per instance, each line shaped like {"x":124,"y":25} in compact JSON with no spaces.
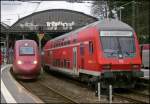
{"x":29,"y":67}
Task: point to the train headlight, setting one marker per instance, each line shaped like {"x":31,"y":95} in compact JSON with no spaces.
{"x":106,"y":66}
{"x":35,"y":62}
{"x":135,"y":66}
{"x":19,"y":62}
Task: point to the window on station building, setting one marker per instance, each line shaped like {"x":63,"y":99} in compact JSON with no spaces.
{"x":91,"y":48}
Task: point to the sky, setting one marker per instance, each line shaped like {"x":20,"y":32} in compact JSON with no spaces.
{"x":11,"y":11}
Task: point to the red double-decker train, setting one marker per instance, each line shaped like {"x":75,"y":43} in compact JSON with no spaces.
{"x":0,"y":57}
{"x":26,"y":60}
{"x":105,"y":51}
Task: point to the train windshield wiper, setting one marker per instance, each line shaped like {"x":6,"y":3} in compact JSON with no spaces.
{"x":111,"y":52}
{"x":126,"y":52}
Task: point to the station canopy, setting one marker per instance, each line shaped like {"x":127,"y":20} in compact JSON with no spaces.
{"x":4,"y":28}
{"x":53,"y":20}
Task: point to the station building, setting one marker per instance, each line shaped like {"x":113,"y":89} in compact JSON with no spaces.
{"x":4,"y":34}
{"x":52,"y":23}
{"x":4,"y":40}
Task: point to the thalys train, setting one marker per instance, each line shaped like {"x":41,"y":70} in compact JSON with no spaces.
{"x":26,"y":60}
{"x":105,"y":51}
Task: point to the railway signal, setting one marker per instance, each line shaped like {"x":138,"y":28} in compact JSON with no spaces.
{"x":40,"y":35}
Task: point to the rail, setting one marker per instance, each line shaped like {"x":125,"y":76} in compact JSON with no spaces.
{"x":46,"y":93}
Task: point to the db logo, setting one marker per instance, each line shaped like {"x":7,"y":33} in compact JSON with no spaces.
{"x":121,"y":61}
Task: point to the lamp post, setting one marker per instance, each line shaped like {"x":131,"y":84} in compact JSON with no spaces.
{"x":133,"y":10}
{"x":119,"y":9}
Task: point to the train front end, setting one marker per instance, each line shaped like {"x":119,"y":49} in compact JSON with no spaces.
{"x":26,"y":64}
{"x":120,"y":61}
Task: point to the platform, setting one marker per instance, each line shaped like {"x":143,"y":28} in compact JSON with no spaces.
{"x":12,"y":91}
{"x":146,"y":73}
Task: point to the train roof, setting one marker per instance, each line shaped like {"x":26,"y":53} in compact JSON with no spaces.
{"x":25,"y":40}
{"x":105,"y":24}
{"x":113,"y":24}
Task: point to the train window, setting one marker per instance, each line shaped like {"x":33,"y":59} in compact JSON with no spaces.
{"x":61,"y":63}
{"x":54,"y":63}
{"x":62,"y":43}
{"x":59,"y":44}
{"x":74,"y":40}
{"x":54,"y":45}
{"x":48,"y":53}
{"x":58,"y":62}
{"x":65,"y":65}
{"x":91,"y":49}
{"x":68,"y":63}
{"x":68,"y":42}
{"x":26,"y":51}
{"x":117,"y":43}
{"x":81,"y":49}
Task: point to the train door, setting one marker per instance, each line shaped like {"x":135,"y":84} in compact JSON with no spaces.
{"x":82,"y":55}
{"x":75,"y":70}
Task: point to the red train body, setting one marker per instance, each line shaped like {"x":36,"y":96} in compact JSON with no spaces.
{"x":0,"y":57}
{"x":106,"y":51}
{"x":26,"y":60}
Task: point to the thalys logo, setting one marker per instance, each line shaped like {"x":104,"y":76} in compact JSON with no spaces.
{"x":64,"y":25}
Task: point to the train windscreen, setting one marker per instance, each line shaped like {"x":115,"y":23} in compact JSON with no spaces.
{"x":26,"y":51}
{"x":118,"y":43}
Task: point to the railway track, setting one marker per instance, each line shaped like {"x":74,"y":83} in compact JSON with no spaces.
{"x":46,"y":93}
{"x":134,"y":96}
{"x":50,"y":94}
{"x":140,"y":93}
